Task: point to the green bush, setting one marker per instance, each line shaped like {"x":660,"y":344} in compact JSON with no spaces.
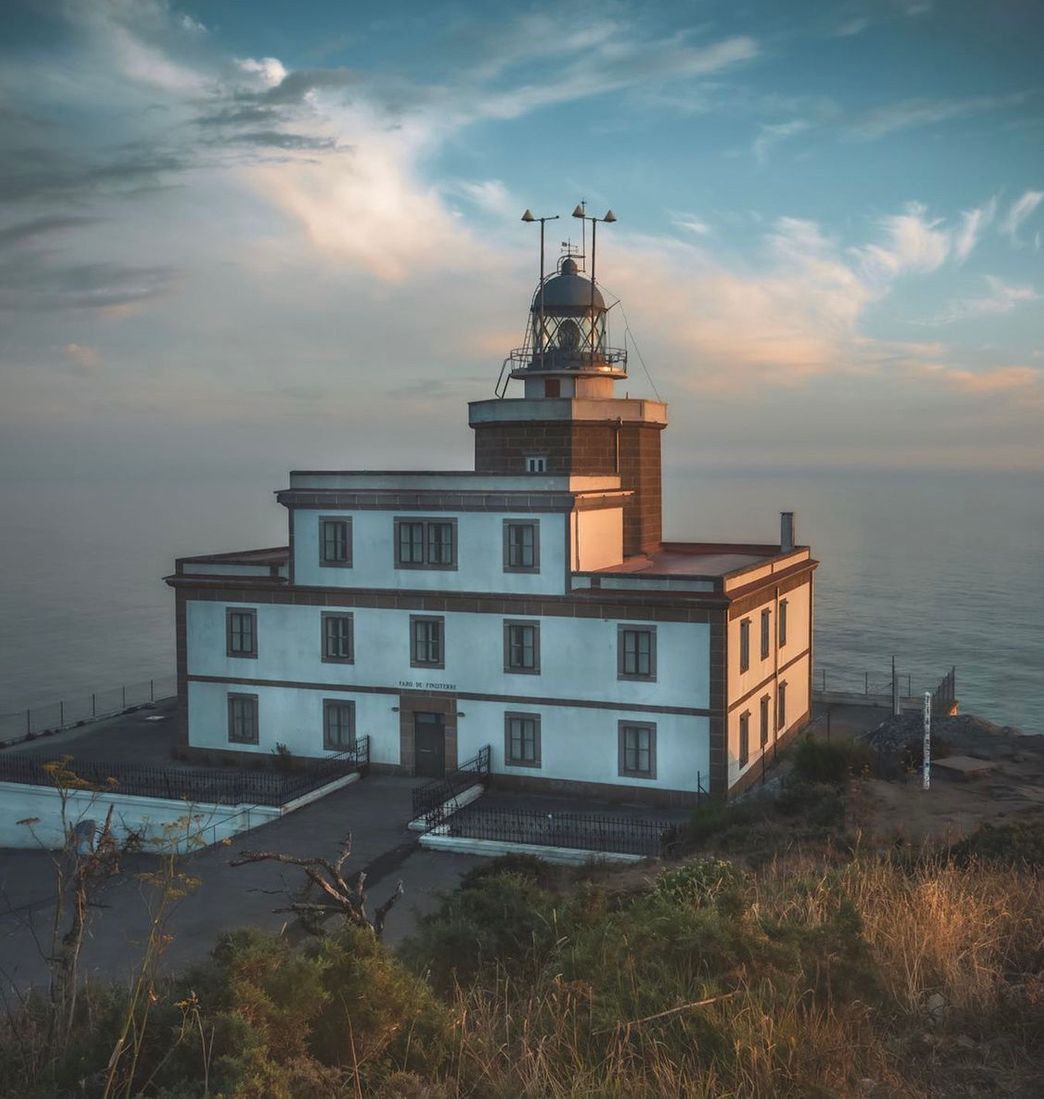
{"x":829,"y":761}
{"x":1017,"y":842}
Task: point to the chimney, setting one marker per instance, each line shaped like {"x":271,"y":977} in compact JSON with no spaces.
{"x":786,"y":532}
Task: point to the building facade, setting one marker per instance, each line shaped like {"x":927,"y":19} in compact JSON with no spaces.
{"x":530,"y":604}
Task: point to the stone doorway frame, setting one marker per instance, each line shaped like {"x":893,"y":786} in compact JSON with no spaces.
{"x":411,"y":702}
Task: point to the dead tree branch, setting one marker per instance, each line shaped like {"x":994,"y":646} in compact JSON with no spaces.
{"x":325,"y":891}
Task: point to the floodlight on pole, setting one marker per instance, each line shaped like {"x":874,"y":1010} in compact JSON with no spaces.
{"x":610,"y":217}
{"x":529,"y":216}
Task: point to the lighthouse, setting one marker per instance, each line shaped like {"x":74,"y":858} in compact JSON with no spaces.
{"x":527,"y":611}
{"x":570,"y":419}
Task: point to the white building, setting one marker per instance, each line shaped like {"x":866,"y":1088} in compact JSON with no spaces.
{"x":530,"y":605}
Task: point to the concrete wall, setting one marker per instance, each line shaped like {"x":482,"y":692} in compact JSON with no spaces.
{"x":480,"y":554}
{"x":164,"y":824}
{"x":597,"y":539}
{"x":578,"y":660}
{"x":798,"y":639}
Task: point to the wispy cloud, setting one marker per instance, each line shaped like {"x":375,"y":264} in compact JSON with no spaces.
{"x":772,"y":134}
{"x":973,"y":223}
{"x":913,"y":243}
{"x":1001,"y":298}
{"x":1021,"y":209}
{"x":908,"y":114}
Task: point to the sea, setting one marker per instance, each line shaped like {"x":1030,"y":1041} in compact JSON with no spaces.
{"x":937,"y":570}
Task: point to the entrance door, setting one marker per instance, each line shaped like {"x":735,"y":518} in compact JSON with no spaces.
{"x":429,"y":740}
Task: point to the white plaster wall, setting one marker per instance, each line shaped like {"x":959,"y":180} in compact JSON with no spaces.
{"x":597,"y":539}
{"x":480,"y":553}
{"x":796,"y":679}
{"x":578,"y":656}
{"x":799,"y":623}
{"x":798,"y":638}
{"x":165,"y":824}
{"x":292,"y":716}
{"x":582,"y":744}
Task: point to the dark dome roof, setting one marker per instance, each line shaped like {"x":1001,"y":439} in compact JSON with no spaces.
{"x":568,"y":292}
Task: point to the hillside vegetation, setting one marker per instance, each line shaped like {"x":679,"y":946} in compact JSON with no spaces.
{"x":821,"y":971}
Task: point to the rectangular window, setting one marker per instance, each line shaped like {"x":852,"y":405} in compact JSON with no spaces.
{"x":335,"y":542}
{"x":522,"y":647}
{"x":781,"y":706}
{"x":426,"y":543}
{"x":242,"y":719}
{"x":426,"y":647}
{"x":521,"y":546}
{"x":766,"y":699}
{"x":636,"y":652}
{"x":766,"y":634}
{"x":744,"y":644}
{"x":637,"y":750}
{"x":338,"y":725}
{"x":782,"y":623}
{"x":338,"y":639}
{"x":522,"y":740}
{"x":241,"y":632}
{"x":744,"y":739}
{"x":536,"y":463}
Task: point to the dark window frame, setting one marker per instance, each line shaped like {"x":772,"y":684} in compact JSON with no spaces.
{"x":426,"y":544}
{"x":511,"y":760}
{"x":765,"y":719}
{"x":622,"y":768}
{"x":326,"y":657}
{"x":415,"y":620}
{"x":249,"y":613}
{"x":346,"y":522}
{"x":340,"y":705}
{"x":766,"y":633}
{"x":781,"y":706}
{"x":235,"y":697}
{"x":781,"y":622}
{"x":622,"y":629}
{"x":744,"y":739}
{"x":521,"y":623}
{"x":511,"y":525}
{"x":744,"y":645}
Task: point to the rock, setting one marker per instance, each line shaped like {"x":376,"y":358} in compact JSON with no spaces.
{"x":936,"y":1005}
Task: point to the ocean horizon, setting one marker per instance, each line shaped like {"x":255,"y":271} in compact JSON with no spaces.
{"x":935,"y":569}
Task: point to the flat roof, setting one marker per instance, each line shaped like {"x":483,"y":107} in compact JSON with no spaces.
{"x":700,"y":560}
{"x":275,"y":555}
{"x":406,"y":480}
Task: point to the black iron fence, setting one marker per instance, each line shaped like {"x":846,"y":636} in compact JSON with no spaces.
{"x":626,"y":835}
{"x":79,"y":708}
{"x":429,"y":798}
{"x":196,"y":785}
{"x":944,"y":696}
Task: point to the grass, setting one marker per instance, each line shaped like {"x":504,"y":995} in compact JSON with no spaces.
{"x":805,"y":976}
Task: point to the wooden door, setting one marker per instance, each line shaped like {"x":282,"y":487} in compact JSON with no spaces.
{"x":429,"y":740}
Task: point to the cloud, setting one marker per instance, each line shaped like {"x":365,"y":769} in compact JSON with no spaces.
{"x":690,"y":223}
{"x":30,"y":285}
{"x":973,"y":223}
{"x":43,"y":226}
{"x":84,"y":359}
{"x":271,"y":70}
{"x":1001,"y":379}
{"x":772,"y":134}
{"x":1001,"y":299}
{"x":1021,"y":209}
{"x":913,"y":244}
{"x":908,"y":114}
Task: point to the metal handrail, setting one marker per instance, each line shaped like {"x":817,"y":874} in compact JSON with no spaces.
{"x":527,"y":358}
{"x":429,"y":798}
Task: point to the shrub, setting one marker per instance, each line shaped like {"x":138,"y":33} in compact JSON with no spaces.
{"x":283,"y":759}
{"x":1014,"y":843}
{"x":697,"y":882}
{"x":829,"y":761}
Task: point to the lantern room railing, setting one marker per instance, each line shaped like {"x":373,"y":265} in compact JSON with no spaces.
{"x":526,"y":360}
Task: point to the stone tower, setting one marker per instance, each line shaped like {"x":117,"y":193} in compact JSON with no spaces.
{"x":569,"y":420}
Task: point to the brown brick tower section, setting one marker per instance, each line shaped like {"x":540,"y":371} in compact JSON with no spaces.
{"x":583,"y":448}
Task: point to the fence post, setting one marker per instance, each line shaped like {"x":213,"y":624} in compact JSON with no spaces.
{"x":61,"y":715}
{"x":909,"y":689}
{"x":125,"y":698}
{"x":94,"y":705}
{"x":866,"y":683}
{"x":152,"y":690}
{"x":28,"y":722}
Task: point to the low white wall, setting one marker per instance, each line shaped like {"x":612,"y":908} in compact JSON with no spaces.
{"x":572,"y":856}
{"x":32,"y":816}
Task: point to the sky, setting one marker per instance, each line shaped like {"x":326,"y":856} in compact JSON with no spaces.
{"x":287,"y":235}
